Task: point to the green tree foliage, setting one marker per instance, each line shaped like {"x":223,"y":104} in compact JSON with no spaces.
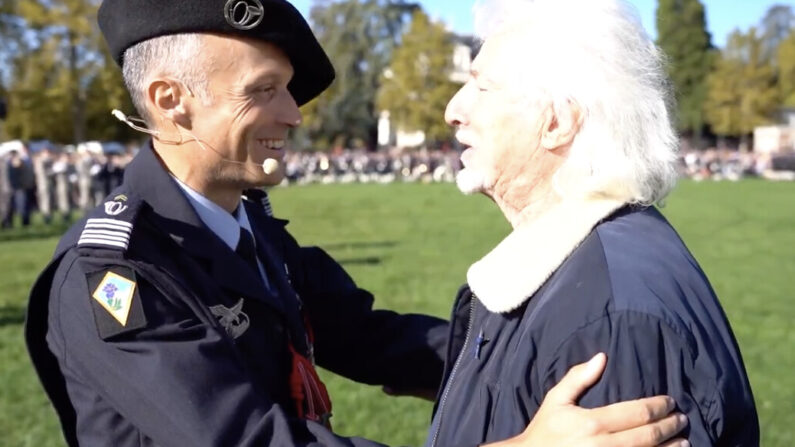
{"x":9,"y":26}
{"x":416,"y":86}
{"x":10,"y":31}
{"x":786,"y":70}
{"x":775,"y":27}
{"x":742,"y":91}
{"x":359,"y":37}
{"x":778,"y":40}
{"x":64,"y":33}
{"x":39,"y":102}
{"x":8,"y":41}
{"x":10,"y":38}
{"x":682,"y":35}
{"x":63,"y":82}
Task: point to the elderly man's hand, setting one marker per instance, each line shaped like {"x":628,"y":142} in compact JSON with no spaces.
{"x":560,"y":422}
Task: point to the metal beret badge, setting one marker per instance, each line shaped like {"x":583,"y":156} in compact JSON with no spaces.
{"x":244,"y":14}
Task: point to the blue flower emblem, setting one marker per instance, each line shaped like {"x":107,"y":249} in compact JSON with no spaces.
{"x":110,"y":290}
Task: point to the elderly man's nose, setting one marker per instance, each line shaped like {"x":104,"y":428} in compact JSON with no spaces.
{"x":454,"y":115}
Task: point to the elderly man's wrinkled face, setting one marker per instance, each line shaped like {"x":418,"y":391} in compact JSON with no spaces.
{"x":499,"y":130}
{"x":250,"y":113}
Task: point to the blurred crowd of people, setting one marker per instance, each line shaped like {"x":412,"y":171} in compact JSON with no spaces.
{"x":359,"y":165}
{"x":58,"y":181}
{"x":348,"y":166}
{"x":733,"y":165}
{"x":55,"y":182}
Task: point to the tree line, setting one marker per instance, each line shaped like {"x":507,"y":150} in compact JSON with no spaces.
{"x":58,"y":81}
{"x":724,"y":93}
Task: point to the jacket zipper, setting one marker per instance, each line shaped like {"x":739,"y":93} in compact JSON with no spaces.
{"x":455,"y":367}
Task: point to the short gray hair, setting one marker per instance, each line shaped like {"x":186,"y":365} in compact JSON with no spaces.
{"x":603,"y":61}
{"x":177,"y":55}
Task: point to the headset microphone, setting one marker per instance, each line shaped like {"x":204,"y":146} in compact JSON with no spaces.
{"x":269,"y":166}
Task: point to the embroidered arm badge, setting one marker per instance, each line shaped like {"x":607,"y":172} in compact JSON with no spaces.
{"x":115,"y":301}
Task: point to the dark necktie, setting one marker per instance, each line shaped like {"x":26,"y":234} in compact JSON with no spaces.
{"x":248,"y":251}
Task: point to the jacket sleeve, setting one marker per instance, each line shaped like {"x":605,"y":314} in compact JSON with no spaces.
{"x":177,"y":380}
{"x":380,"y":347}
{"x":647,"y":357}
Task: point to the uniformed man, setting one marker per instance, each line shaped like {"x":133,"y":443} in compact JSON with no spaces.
{"x":42,"y":169}
{"x":19,"y":171}
{"x":62,"y":169}
{"x":84,"y":166}
{"x":177,"y":313}
{"x":5,"y":189}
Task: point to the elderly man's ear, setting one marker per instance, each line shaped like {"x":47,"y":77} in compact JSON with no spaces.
{"x":561,"y":124}
{"x":170,"y":100}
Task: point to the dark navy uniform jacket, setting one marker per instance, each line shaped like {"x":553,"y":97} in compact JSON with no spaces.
{"x":179,"y":372}
{"x":555,"y":294}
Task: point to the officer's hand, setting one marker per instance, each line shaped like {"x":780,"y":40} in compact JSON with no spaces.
{"x":560,"y":422}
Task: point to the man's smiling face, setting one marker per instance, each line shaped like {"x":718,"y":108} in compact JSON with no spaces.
{"x":250,"y":112}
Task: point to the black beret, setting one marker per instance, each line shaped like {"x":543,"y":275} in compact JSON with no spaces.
{"x":125,"y":23}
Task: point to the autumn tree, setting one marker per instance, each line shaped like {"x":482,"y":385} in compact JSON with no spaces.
{"x":359,"y":37}
{"x":67,"y":29}
{"x":786,"y":70}
{"x":777,"y":28}
{"x":63,"y":83}
{"x":774,"y":28}
{"x":682,"y":35}
{"x":742,"y":92}
{"x":416,"y":86}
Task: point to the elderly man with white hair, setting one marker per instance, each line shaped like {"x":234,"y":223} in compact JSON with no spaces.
{"x":567,"y":127}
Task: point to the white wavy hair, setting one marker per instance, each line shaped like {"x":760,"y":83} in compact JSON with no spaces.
{"x":601,"y":59}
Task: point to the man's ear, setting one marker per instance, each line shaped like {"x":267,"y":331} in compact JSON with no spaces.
{"x":561,"y":124}
{"x":169,"y":100}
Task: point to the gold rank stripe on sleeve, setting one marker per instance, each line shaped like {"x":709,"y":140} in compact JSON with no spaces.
{"x":108,"y":232}
{"x":115,"y":293}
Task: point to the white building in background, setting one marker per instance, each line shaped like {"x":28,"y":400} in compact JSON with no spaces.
{"x":462,"y":59}
{"x":776,"y":139}
{"x":463,"y":53}
{"x":399,"y":138}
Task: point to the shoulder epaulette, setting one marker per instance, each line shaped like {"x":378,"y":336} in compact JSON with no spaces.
{"x":111,"y":224}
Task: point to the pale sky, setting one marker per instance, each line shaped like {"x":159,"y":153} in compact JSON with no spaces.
{"x":723,"y":16}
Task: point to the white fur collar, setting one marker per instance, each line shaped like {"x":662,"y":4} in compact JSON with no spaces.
{"x":514,"y":270}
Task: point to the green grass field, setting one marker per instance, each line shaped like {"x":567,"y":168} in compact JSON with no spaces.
{"x":411,"y":246}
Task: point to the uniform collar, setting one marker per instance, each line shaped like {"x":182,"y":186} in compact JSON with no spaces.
{"x":225,"y":225}
{"x":174,"y":215}
{"x":515,"y":269}
{"x":148,"y":177}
